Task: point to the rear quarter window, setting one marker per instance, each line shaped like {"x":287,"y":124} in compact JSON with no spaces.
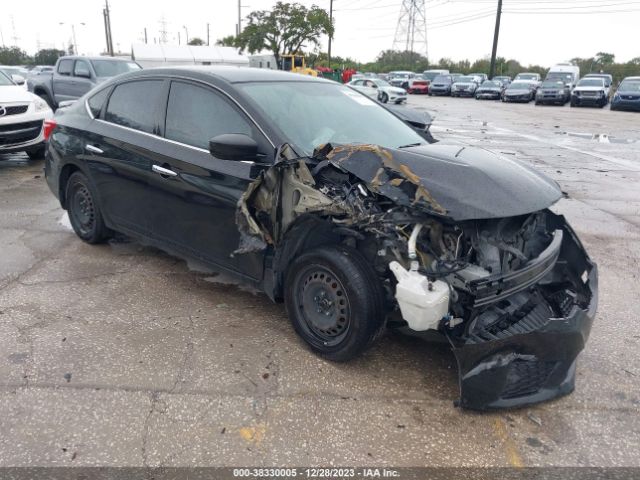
{"x":97,"y":101}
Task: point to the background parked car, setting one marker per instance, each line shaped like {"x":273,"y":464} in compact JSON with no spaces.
{"x":627,"y":97}
{"x":419,"y":85}
{"x":75,"y":76}
{"x":481,"y":76}
{"x":464,"y":86}
{"x":607,"y":77}
{"x":568,"y":73}
{"x":401,"y":79}
{"x":379,"y":90}
{"x":503,"y":79}
{"x":490,"y":90}
{"x":17,"y":74}
{"x":22,"y":116}
{"x":519,"y":92}
{"x":533,"y":78}
{"x":590,"y":92}
{"x":554,"y":92}
{"x":441,"y":85}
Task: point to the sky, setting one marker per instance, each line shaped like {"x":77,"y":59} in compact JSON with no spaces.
{"x":541,"y":32}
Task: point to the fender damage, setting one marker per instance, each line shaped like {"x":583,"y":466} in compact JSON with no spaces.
{"x":520,"y":292}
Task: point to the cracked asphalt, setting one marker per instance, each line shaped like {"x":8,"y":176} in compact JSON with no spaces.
{"x":121,"y":355}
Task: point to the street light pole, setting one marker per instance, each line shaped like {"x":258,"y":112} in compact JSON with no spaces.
{"x":186,"y":32}
{"x":330,"y":21}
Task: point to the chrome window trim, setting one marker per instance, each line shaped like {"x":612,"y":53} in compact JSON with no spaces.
{"x":189,"y":80}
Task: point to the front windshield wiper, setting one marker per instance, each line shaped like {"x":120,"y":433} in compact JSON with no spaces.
{"x":412,"y":145}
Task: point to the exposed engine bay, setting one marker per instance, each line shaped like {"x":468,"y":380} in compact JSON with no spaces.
{"x":496,"y":286}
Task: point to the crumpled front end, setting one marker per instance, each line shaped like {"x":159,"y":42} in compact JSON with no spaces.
{"x":523,"y":348}
{"x":488,"y":265}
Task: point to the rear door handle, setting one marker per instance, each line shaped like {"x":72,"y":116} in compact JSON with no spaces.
{"x":93,"y":149}
{"x":163,"y":171}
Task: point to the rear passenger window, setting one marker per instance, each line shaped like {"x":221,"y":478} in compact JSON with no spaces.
{"x":134,"y":104}
{"x":97,"y":101}
{"x":65,"y":66}
{"x":196,"y":114}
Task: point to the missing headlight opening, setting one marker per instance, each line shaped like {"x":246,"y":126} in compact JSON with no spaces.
{"x":503,"y":278}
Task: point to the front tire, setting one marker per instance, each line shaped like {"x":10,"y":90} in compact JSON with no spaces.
{"x":334,"y":300}
{"x":384,"y":98}
{"x":84,"y":211}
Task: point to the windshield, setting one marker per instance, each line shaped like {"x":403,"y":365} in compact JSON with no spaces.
{"x":310,"y":114}
{"x":430,"y":75}
{"x":382,"y":83}
{"x":519,"y":86}
{"x":490,"y":84}
{"x":526,"y":76}
{"x":591,"y":82}
{"x":565,"y":77}
{"x":442,"y":79}
{"x":630,"y":86}
{"x":111,"y":68}
{"x":552,"y":84}
{"x":4,"y":80}
{"x":465,"y":79}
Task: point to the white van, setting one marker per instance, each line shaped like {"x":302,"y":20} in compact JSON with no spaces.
{"x":567,"y":72}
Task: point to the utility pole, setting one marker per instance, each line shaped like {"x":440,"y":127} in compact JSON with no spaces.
{"x":145,"y":34}
{"x":186,"y":35}
{"x":496,"y":33}
{"x":330,"y":21}
{"x":107,"y":27}
{"x":207,"y":34}
{"x":239,"y":17}
{"x":178,"y":37}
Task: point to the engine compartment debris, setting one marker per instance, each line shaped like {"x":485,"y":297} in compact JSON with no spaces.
{"x":514,"y":294}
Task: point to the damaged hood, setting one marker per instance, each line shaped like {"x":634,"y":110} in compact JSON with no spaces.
{"x":463,"y":183}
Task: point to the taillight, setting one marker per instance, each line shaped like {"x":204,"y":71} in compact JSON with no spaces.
{"x":49,"y":125}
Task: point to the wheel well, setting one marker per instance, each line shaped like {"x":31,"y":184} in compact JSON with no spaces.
{"x":65,"y":173}
{"x":305,"y":234}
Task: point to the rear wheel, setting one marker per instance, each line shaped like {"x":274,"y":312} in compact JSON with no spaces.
{"x":334,"y":300}
{"x":47,"y":99}
{"x":84,"y":211}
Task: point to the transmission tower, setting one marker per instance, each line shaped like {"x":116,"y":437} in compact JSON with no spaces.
{"x":163,"y":30}
{"x":411,"y":31}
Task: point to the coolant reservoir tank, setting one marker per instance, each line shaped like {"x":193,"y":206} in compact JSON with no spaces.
{"x":422,"y":303}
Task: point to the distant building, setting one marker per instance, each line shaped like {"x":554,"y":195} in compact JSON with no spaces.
{"x":167,"y":55}
{"x":263,"y":61}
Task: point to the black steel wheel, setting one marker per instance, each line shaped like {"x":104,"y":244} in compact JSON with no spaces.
{"x":83,"y":209}
{"x":334,"y":300}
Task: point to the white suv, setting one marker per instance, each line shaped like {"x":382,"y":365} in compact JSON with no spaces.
{"x":22,"y":117}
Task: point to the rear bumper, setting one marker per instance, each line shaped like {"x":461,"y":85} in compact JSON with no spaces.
{"x":533,"y":358}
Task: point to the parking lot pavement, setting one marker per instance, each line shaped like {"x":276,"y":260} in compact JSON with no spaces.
{"x":122,"y":355}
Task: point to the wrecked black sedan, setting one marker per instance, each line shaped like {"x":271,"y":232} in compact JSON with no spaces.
{"x":341,"y":209}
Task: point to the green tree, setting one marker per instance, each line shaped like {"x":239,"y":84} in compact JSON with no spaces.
{"x":13,"y":56}
{"x":604,"y":58}
{"x":47,"y":56}
{"x":285,"y":29}
{"x":196,"y":41}
{"x":229,"y":41}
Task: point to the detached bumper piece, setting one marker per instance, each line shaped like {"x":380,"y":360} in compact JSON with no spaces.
{"x":522,"y":348}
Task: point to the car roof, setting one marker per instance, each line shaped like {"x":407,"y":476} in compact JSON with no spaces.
{"x":230,"y":74}
{"x":80,"y":57}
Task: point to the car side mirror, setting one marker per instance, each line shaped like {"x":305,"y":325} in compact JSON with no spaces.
{"x":17,"y":79}
{"x":233,"y":146}
{"x":83,"y":74}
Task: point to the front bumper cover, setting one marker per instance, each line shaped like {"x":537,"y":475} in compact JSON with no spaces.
{"x":534,"y":358}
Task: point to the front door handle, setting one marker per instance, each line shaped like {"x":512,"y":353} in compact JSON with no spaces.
{"x":163,"y":171}
{"x":93,"y":149}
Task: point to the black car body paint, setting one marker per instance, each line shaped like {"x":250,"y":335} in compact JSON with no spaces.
{"x":487,"y":227}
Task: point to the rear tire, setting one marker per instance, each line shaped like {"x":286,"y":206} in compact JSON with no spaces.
{"x":84,"y":211}
{"x":334,"y":301}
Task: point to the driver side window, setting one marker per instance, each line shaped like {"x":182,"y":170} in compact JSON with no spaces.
{"x":196,"y":114}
